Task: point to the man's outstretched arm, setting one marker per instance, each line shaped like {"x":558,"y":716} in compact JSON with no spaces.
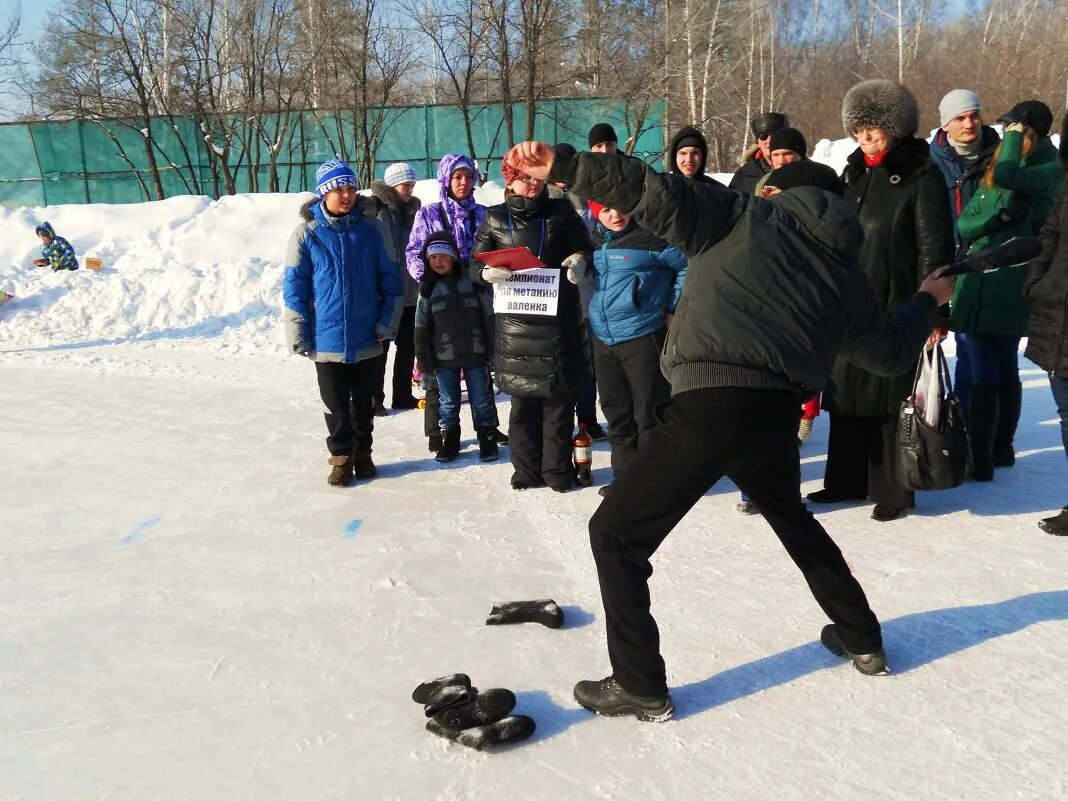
{"x":691,"y":216}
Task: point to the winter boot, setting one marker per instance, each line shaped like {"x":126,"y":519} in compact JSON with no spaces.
{"x":873,"y":664}
{"x":606,"y":697}
{"x":512,"y":729}
{"x":1010,"y":399}
{"x":500,"y":436}
{"x":488,"y":450}
{"x":340,"y":471}
{"x":380,"y":408}
{"x":545,"y":611}
{"x":363,"y":467}
{"x":450,"y":446}
{"x":423,"y":693}
{"x":984,"y":422}
{"x":435,"y":441}
{"x":487,"y":708}
{"x":1056,"y":525}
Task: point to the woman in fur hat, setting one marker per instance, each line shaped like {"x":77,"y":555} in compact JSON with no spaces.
{"x":1047,"y":331}
{"x":899,"y":196}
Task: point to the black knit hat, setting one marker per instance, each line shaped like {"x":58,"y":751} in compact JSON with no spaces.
{"x":769,"y":122}
{"x":789,"y":139}
{"x":805,"y":173}
{"x":602,"y":132}
{"x":1033,"y":113}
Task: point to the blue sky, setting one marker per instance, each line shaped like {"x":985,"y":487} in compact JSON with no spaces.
{"x":33,"y":14}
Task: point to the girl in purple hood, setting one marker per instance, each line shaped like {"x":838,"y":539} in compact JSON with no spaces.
{"x":459,"y":214}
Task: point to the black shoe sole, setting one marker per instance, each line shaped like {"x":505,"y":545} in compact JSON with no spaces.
{"x":829,"y":639}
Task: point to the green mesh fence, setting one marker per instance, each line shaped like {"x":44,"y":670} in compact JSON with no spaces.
{"x":50,"y":163}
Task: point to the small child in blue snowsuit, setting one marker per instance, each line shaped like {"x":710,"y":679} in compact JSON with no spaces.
{"x":454,"y":332}
{"x":56,"y":252}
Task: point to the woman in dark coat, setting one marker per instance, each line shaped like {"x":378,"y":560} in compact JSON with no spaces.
{"x":1047,"y":332}
{"x":899,"y":195}
{"x":541,"y":360}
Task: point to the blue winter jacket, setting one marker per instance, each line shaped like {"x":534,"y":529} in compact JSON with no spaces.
{"x":637,"y":277}
{"x":962,"y":180}
{"x":341,"y":289}
{"x":58,"y":253}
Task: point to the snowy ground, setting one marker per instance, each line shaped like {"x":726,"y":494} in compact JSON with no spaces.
{"x":191,"y":613}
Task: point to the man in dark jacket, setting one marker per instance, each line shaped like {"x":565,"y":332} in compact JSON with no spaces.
{"x":1047,"y":332}
{"x":899,"y":197}
{"x":773,"y":291}
{"x":394,"y":205}
{"x":961,"y":149}
{"x":756,"y":160}
{"x":688,"y":155}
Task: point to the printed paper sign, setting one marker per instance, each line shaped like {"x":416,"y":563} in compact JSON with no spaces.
{"x":535,"y":291}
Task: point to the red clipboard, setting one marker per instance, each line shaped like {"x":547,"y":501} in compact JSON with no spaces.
{"x":521,"y":258}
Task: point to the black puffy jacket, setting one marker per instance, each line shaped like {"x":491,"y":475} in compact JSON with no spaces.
{"x":908,"y":233}
{"x":536,"y":355}
{"x":1047,"y":285}
{"x":773,"y":290}
{"x":753,"y":168}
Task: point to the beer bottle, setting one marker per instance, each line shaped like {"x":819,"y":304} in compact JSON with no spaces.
{"x":583,"y":456}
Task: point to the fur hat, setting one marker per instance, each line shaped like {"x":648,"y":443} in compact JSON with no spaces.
{"x":880,"y":103}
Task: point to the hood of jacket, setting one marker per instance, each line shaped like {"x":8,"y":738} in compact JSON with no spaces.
{"x":389,"y":197}
{"x":46,"y":227}
{"x":829,"y":219}
{"x":448,"y":164}
{"x":687,"y":132}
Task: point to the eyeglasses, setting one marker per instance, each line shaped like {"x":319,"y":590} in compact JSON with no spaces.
{"x":764,"y":136}
{"x":527,"y":179}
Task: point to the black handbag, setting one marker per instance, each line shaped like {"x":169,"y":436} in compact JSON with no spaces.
{"x":932,"y":457}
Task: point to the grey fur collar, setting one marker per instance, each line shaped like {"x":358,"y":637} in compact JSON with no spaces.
{"x":388,"y":196}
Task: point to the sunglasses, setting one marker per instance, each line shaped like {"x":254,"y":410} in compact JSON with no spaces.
{"x":764,"y":136}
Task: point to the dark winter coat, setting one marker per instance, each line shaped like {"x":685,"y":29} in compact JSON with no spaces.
{"x":962,"y":175}
{"x":396,"y":217}
{"x":773,"y":289}
{"x":1025,"y":190}
{"x":1047,"y":284}
{"x":535,"y":355}
{"x":453,"y":318}
{"x":754,"y":168}
{"x":341,"y":290}
{"x":908,"y":232}
{"x":637,"y":276}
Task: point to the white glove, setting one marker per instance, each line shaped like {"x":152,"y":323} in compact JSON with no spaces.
{"x":494,"y":275}
{"x":577,"y":267}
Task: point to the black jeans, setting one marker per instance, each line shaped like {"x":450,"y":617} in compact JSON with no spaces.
{"x":403,"y":360}
{"x":539,"y":433}
{"x":348,"y":392}
{"x":860,"y":460}
{"x":750,"y":436}
{"x":632,"y":387}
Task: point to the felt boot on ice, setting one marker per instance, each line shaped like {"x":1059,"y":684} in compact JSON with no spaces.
{"x":607,"y":697}
{"x":512,"y":729}
{"x":488,"y":450}
{"x":450,"y":445}
{"x":444,"y":692}
{"x":545,"y":612}
{"x":873,"y":664}
{"x":488,"y":708}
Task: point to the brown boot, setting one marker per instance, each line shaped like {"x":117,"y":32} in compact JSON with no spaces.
{"x":340,"y":471}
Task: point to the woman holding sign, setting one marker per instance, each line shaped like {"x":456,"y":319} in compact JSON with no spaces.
{"x":541,"y":353}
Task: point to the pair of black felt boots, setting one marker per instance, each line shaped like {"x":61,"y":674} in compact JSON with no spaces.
{"x":460,"y":713}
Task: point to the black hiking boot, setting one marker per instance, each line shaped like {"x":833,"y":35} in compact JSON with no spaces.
{"x":500,"y":436}
{"x":488,"y":450}
{"x":1056,"y":525}
{"x":450,"y":446}
{"x":340,"y":471}
{"x":868,"y":664}
{"x":606,"y":697}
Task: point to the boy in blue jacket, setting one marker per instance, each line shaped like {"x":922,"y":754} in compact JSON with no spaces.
{"x":343,"y":297}
{"x":56,"y":252}
{"x":637,"y":282}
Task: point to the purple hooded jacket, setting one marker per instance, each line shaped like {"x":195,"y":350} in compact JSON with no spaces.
{"x":464,"y":217}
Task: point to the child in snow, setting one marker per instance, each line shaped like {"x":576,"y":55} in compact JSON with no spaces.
{"x":454,"y":330}
{"x":56,"y":252}
{"x":343,"y":297}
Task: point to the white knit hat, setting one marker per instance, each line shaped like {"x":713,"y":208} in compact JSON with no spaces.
{"x":399,"y":173}
{"x":957,"y":102}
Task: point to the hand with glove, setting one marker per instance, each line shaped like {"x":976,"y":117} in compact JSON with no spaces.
{"x":494,"y":275}
{"x":576,"y":266}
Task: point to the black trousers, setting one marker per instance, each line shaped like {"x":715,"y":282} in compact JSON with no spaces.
{"x":539,"y":433}
{"x":403,"y":360}
{"x":860,"y":460}
{"x":749,"y":435}
{"x":632,"y":387}
{"x":348,"y":392}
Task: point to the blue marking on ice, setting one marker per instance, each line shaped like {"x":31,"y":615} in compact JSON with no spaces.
{"x":139,"y":529}
{"x":352,"y":528}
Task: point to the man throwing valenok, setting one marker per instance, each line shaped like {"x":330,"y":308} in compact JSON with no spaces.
{"x":773,"y":292}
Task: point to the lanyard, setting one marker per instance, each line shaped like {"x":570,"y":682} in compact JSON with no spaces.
{"x":541,"y":240}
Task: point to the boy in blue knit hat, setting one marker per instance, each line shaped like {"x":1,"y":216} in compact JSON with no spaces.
{"x":343,"y":297}
{"x":56,"y":252}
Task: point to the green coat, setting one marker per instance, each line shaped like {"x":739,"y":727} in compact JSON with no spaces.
{"x":1025,"y":190}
